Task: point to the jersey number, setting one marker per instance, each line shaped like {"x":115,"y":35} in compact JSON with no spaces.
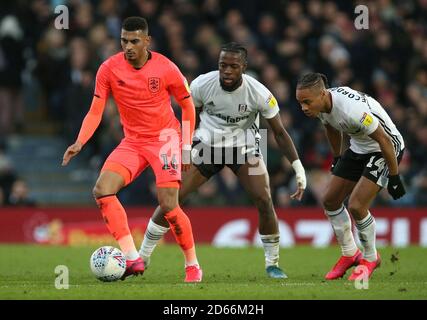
{"x":378,"y":166}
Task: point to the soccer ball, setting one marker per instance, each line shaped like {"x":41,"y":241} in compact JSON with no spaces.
{"x":108,"y":263}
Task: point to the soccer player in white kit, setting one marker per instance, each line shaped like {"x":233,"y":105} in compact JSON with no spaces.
{"x":371,"y":163}
{"x":228,"y":103}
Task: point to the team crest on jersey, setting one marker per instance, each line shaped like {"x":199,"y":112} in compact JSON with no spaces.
{"x":243,"y":108}
{"x":154,"y":84}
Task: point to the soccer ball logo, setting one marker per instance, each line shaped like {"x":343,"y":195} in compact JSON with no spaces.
{"x":108,"y":263}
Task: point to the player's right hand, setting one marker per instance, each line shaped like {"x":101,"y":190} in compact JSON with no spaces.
{"x":71,"y":151}
{"x":395,"y":187}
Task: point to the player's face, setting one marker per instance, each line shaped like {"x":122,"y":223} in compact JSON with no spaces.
{"x":311,"y":101}
{"x":134,"y":45}
{"x":231,"y":67}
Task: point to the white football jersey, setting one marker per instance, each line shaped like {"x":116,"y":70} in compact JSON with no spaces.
{"x":358,"y":115}
{"x":231,"y":119}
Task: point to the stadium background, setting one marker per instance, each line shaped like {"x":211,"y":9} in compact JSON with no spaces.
{"x":46,"y":86}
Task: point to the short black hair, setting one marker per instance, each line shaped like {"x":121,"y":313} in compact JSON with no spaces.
{"x":236,"y":47}
{"x":134,"y":24}
{"x":312,"y":79}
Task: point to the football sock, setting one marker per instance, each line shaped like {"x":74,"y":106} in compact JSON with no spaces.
{"x":128,"y":247}
{"x":181,"y":228}
{"x":271,"y":245}
{"x":116,"y":220}
{"x":152,"y":236}
{"x":367,"y":234}
{"x":341,"y":224}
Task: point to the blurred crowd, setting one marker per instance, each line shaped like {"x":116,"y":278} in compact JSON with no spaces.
{"x":43,"y":67}
{"x":14,"y":190}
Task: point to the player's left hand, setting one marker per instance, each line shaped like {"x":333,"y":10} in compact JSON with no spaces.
{"x":301,"y":180}
{"x":301,"y":184}
{"x":186,"y":160}
{"x":395,"y":187}
{"x":298,"y":194}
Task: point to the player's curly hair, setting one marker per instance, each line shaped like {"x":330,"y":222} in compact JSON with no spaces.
{"x":134,"y":24}
{"x":312,"y":79}
{"x":236,"y":47}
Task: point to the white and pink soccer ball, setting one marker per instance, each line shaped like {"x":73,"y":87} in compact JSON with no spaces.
{"x":108,"y":264}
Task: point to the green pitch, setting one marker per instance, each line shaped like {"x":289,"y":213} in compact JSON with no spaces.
{"x":28,"y":272}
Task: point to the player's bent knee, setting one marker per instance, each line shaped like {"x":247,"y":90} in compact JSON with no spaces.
{"x":331,"y":204}
{"x":167,"y":205}
{"x":356,"y":208}
{"x":96,"y":192}
{"x":168,"y":199}
{"x":167,"y":208}
{"x":263,"y":203}
{"x":101,"y":190}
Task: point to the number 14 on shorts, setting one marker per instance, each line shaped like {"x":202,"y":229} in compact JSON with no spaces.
{"x":166,"y":165}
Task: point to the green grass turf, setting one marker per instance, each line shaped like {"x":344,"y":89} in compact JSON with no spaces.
{"x":27,"y":272}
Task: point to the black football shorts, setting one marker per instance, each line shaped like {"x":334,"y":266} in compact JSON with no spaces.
{"x":352,"y":166}
{"x":210,"y":160}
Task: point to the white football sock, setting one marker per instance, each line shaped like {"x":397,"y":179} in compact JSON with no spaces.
{"x":271,"y":245}
{"x":341,"y":224}
{"x":152,"y":236}
{"x":367,"y":234}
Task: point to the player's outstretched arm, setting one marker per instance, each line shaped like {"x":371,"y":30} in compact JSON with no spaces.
{"x":89,"y":125}
{"x":395,"y":186}
{"x":287,"y":145}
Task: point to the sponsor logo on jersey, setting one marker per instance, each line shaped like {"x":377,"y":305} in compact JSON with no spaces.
{"x":366,"y":120}
{"x":227,"y":119}
{"x":243,"y":108}
{"x":154,"y":84}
